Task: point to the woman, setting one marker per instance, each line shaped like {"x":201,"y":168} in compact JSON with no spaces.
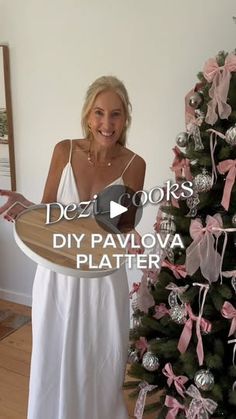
{"x":81,"y":326}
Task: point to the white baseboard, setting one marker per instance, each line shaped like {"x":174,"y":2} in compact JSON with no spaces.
{"x":16,"y":297}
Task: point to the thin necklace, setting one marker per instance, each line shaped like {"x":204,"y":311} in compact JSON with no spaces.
{"x":92,"y":162}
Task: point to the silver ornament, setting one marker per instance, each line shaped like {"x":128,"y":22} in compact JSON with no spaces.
{"x":204,"y":380}
{"x":133,"y":357}
{"x":193,"y":131}
{"x":199,"y":114}
{"x":192,"y":203}
{"x":169,"y":253}
{"x":173,"y":298}
{"x":182,"y":139}
{"x":136,"y":322}
{"x":202,"y":182}
{"x":196,"y":100}
{"x":234,"y":225}
{"x":150,"y":361}
{"x":167,"y":225}
{"x":178,"y":314}
{"x":135,"y":303}
{"x":234,"y":220}
{"x":233,"y":283}
{"x":230,"y":136}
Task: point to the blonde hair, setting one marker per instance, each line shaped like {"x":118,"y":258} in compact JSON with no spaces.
{"x":98,"y":86}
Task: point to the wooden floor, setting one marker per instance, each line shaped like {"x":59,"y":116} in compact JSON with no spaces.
{"x":15,"y":351}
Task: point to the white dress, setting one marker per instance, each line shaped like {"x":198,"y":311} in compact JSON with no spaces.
{"x":80,"y":338}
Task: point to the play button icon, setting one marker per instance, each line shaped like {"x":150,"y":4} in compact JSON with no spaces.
{"x":116,"y":209}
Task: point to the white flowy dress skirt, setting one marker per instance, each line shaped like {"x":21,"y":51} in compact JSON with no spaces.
{"x":80,"y":340}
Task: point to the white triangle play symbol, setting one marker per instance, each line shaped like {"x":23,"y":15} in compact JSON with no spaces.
{"x":116,"y":209}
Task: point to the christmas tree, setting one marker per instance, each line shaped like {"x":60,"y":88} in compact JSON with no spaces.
{"x":183,"y":339}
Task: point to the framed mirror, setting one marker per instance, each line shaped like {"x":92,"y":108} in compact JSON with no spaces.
{"x":7,"y":155}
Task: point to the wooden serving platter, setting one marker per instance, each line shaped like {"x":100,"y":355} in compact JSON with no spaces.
{"x":35,"y":239}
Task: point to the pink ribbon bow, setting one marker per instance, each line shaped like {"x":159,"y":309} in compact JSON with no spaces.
{"x":229,"y":312}
{"x":174,"y":407}
{"x":178,"y":381}
{"x":178,"y":270}
{"x":142,"y":345}
{"x":220,"y":79}
{"x":139,"y":407}
{"x":230,"y":167}
{"x":199,"y":406}
{"x":181,"y":165}
{"x":186,"y":334}
{"x":202,"y":249}
{"x":135,"y":289}
{"x":160,"y":311}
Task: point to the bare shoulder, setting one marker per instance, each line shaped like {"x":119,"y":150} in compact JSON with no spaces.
{"x":135,"y":173}
{"x":138,"y":162}
{"x":62,"y":150}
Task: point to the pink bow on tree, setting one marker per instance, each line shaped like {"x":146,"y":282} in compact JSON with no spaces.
{"x":202,"y":249}
{"x":229,"y":312}
{"x":186,"y":334}
{"x":142,"y":345}
{"x":178,"y":381}
{"x":178,"y":270}
{"x":135,"y":289}
{"x":160,"y":311}
{"x":230,"y":167}
{"x":220,"y":79}
{"x":174,"y":407}
{"x":181,"y":165}
{"x":199,"y":406}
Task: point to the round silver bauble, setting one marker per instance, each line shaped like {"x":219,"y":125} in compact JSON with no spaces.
{"x":178,"y":314}
{"x":202,"y":182}
{"x":150,"y":361}
{"x":204,"y":380}
{"x":133,"y":357}
{"x":182,"y":139}
{"x":230,"y":136}
{"x":196,"y":100}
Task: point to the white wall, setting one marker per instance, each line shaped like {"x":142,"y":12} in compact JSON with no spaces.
{"x":58,"y":47}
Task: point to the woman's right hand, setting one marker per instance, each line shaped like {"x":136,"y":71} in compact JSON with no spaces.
{"x":15,"y":204}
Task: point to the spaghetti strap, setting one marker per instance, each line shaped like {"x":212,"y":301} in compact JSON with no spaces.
{"x":128,"y":164}
{"x":70,"y":151}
